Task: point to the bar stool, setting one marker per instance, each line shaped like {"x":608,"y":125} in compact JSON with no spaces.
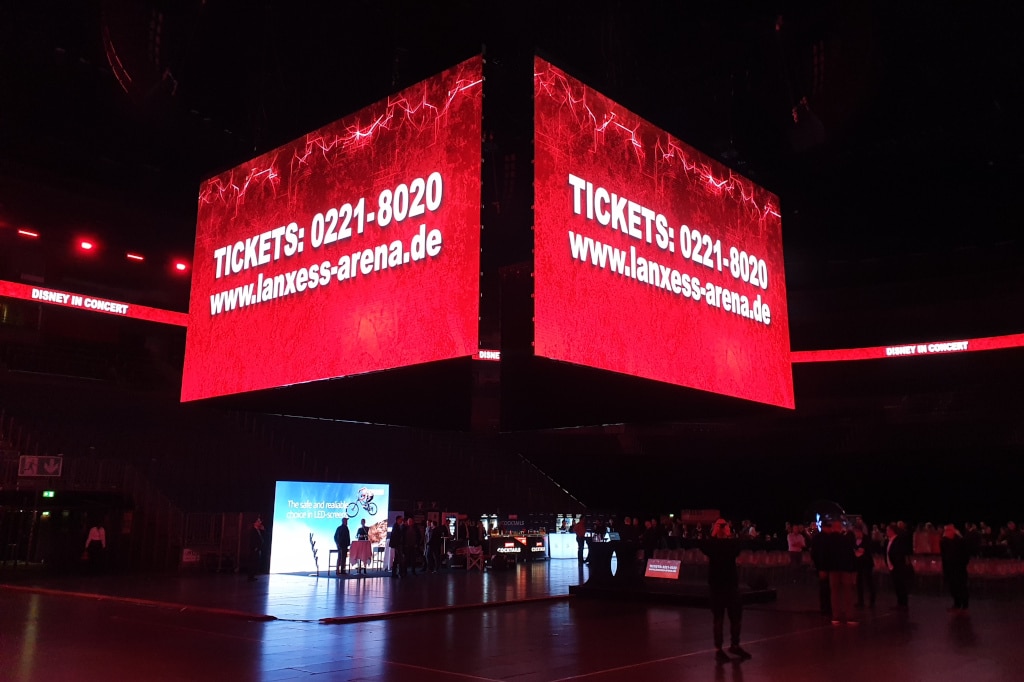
{"x":377,"y":558}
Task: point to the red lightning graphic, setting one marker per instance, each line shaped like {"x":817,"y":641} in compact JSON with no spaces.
{"x":417,"y":107}
{"x":670,"y":156}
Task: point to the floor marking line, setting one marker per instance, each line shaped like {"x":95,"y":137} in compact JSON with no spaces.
{"x":335,"y":620}
{"x":186,"y":629}
{"x":701,"y":652}
{"x":141,"y":602}
{"x":443,"y":672}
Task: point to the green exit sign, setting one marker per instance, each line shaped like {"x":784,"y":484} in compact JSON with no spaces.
{"x":48,"y":493}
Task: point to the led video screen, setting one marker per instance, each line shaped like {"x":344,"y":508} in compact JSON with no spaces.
{"x":910,"y":350}
{"x":106,"y":306}
{"x":306,"y":514}
{"x":353,"y":249}
{"x":651,"y":258}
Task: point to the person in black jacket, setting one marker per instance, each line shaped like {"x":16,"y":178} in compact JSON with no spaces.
{"x":819,"y":539}
{"x":397,"y":544}
{"x":342,"y":540}
{"x":649,"y":540}
{"x":412,"y":549}
{"x":897,"y":557}
{"x":723,"y":583}
{"x":864,"y":554}
{"x":433,"y":541}
{"x":841,"y":565}
{"x":955,"y":557}
{"x":256,"y":548}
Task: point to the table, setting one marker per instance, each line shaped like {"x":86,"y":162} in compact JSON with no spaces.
{"x":360,"y":551}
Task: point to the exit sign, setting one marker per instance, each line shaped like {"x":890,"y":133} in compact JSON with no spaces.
{"x":48,"y":493}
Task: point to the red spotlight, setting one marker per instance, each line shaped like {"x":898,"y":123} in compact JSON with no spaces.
{"x":134,"y":256}
{"x":86,"y":245}
{"x":32,"y":234}
{"x":180,"y":266}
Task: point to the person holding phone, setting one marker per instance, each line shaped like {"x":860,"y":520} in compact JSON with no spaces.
{"x":722,"y":550}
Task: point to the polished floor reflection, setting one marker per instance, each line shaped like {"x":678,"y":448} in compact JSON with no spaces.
{"x":517,"y":625}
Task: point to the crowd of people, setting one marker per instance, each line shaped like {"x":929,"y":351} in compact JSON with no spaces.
{"x":670,"y":532}
{"x":415,"y":550}
{"x":925,"y":538}
{"x":844,"y":553}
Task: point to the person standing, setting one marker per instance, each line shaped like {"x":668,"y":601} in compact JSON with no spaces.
{"x":96,"y":547}
{"x":412,"y":548}
{"x":722,"y":549}
{"x":897,"y":558}
{"x":842,"y":571}
{"x":397,"y":545}
{"x":1015,"y":540}
{"x":626,"y":530}
{"x":432,"y":541}
{"x":342,"y":540}
{"x":865,"y":560}
{"x":649,"y":540}
{"x":475,"y":533}
{"x":580,"y":528}
{"x":841,"y":558}
{"x":255,"y":548}
{"x":955,"y":557}
{"x":796,"y":543}
{"x":819,"y":540}
{"x":362,"y":532}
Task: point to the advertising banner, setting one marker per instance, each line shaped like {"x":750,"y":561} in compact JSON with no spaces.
{"x":353,"y":249}
{"x":306,"y":514}
{"x":651,"y":258}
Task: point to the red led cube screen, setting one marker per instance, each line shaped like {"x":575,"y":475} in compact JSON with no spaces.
{"x":651,"y":258}
{"x":353,"y":249}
